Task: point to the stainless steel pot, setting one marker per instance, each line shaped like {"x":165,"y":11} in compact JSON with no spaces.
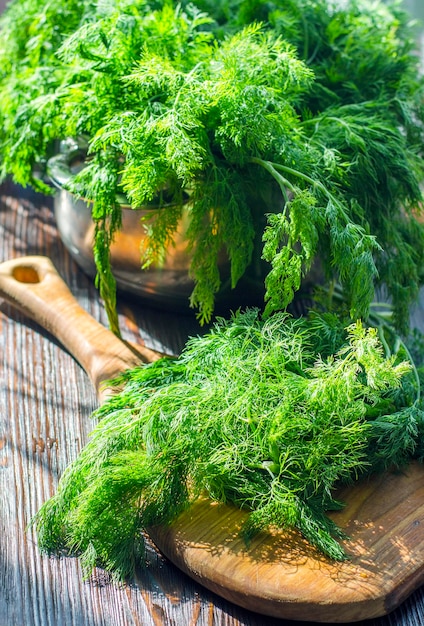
{"x":168,"y":285}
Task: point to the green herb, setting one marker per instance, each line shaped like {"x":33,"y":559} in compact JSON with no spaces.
{"x":269,"y":415}
{"x":298,"y":120}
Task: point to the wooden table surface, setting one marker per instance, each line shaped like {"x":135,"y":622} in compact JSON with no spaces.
{"x":45,"y":405}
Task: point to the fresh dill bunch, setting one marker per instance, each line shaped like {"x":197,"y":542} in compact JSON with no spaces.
{"x":270,"y":415}
{"x":291,"y":130}
{"x":191,"y":128}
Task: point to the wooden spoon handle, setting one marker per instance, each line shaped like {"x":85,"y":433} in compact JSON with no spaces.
{"x":33,"y":286}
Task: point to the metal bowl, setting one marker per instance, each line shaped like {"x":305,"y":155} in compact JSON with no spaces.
{"x":168,"y":285}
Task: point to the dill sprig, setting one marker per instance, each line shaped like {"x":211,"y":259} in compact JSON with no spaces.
{"x":269,"y":415}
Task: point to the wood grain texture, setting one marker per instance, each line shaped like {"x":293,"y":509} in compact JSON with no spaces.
{"x":280,"y":575}
{"x":45,"y":404}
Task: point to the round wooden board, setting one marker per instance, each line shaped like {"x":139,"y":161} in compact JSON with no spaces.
{"x":279,"y":575}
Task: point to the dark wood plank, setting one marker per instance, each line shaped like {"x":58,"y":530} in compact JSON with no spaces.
{"x":45,"y":406}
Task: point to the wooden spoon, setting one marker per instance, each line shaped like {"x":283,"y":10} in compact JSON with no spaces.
{"x":279,"y":574}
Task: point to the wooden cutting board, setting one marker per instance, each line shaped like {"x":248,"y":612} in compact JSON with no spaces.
{"x":278,"y":574}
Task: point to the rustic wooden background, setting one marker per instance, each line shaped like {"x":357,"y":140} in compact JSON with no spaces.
{"x":45,"y":406}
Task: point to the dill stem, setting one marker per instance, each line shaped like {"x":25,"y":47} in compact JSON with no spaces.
{"x":281,"y":180}
{"x":273,"y":168}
